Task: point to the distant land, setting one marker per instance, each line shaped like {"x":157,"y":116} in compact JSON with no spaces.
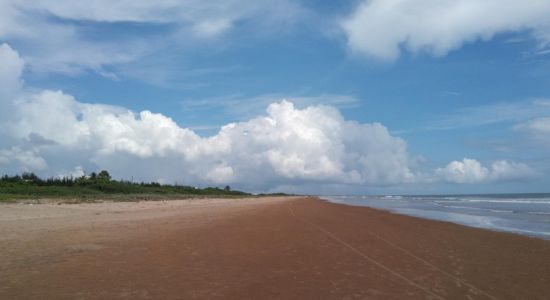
{"x":100,"y":186}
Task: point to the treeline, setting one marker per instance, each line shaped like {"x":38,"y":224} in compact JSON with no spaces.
{"x":31,"y":185}
{"x":33,"y":179}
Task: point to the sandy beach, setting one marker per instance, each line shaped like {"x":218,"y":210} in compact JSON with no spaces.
{"x":257,"y":248}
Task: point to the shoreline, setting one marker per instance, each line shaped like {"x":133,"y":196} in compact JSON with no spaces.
{"x":458,"y":218}
{"x":263,"y":248}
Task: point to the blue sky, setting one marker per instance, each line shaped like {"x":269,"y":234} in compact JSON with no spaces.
{"x":459,"y":90}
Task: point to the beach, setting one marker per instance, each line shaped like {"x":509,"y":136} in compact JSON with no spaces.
{"x":258,"y":248}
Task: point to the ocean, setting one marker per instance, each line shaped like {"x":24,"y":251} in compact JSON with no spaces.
{"x":527,"y":214}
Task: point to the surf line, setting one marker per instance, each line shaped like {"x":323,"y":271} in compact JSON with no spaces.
{"x":365,"y":256}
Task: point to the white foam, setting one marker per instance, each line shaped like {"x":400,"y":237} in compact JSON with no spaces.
{"x":518,"y":201}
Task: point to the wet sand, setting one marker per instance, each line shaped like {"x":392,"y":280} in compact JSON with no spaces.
{"x":267,"y":248}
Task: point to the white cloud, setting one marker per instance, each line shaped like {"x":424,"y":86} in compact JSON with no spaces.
{"x":212,"y":28}
{"x":465,"y":171}
{"x":50,"y":45}
{"x":504,"y":170}
{"x":28,"y":160}
{"x":288,"y":145}
{"x":502,"y":112}
{"x":312,"y":144}
{"x":75,"y":36}
{"x":537,"y":129}
{"x":51,"y":132}
{"x":244,"y":107}
{"x":166,"y":11}
{"x":539,"y":125}
{"x":10,"y":69}
{"x":382,"y":28}
{"x":77,"y":172}
{"x":472,"y":171}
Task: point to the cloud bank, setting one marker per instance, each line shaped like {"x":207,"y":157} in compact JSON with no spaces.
{"x":383,"y":28}
{"x":51,"y":132}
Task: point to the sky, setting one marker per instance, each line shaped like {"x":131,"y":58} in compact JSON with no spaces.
{"x":322,"y":97}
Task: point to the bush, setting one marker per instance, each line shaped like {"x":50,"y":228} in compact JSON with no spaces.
{"x":29,"y":184}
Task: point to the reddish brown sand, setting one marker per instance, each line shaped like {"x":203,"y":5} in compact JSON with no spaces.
{"x":275,"y":248}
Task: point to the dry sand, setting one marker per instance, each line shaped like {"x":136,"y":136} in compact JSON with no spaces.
{"x":260,"y":248}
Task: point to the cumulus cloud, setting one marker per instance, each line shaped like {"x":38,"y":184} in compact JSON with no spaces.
{"x":382,"y":28}
{"x":11,"y":67}
{"x":27,"y":160}
{"x":472,"y":171}
{"x":10,"y":70}
{"x":51,"y":132}
{"x":77,"y":172}
{"x":312,"y":144}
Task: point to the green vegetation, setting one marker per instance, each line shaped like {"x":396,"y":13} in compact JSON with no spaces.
{"x":98,"y":186}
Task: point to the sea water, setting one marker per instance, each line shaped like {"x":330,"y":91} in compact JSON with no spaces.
{"x":527,"y":214}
